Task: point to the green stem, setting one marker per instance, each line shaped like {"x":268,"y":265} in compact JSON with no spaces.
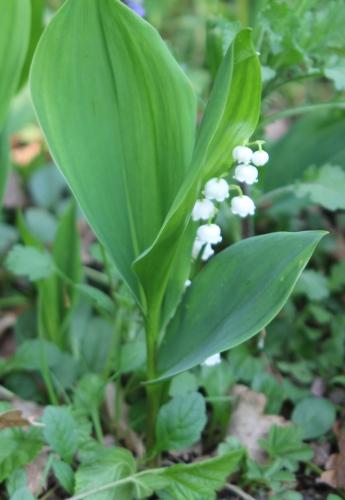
{"x":153,"y":391}
{"x":14,"y":301}
{"x":108,"y":272}
{"x":97,"y":425}
{"x":300,"y":110}
{"x":275,"y":84}
{"x":114,"y":351}
{"x":44,"y":365}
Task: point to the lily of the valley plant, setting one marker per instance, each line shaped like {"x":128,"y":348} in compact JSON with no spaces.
{"x":119,"y":116}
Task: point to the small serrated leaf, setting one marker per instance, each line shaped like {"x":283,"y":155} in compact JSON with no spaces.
{"x":30,"y":262}
{"x":61,"y":431}
{"x":64,"y":474}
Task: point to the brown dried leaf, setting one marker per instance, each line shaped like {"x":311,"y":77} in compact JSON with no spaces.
{"x":248,"y":422}
{"x":334,"y":475}
{"x":13,"y":418}
{"x":30,"y":410}
{"x":35,"y":473}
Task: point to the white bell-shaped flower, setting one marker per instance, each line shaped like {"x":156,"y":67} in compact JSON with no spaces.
{"x":242,"y":206}
{"x":206,"y":253}
{"x":217,"y":189}
{"x":242,"y":154}
{"x":260,"y":158}
{"x":213,"y":360}
{"x":187,"y":283}
{"x":209,"y":233}
{"x":203,"y":210}
{"x":247,"y":174}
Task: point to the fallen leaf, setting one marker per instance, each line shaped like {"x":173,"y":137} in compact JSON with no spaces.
{"x":23,"y":413}
{"x":334,"y":475}
{"x":13,"y":418}
{"x":321,"y":453}
{"x":248,"y":422}
{"x":35,"y":472}
{"x":29,"y":409}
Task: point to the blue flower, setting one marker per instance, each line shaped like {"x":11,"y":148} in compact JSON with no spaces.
{"x":137,"y":7}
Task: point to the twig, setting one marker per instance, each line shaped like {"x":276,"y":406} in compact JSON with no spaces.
{"x":239,"y":492}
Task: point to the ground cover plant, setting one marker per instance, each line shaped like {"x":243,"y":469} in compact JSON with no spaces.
{"x":167,"y":172}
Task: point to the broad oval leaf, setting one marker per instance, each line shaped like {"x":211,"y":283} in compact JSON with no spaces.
{"x":119,"y":117}
{"x":230,"y":119}
{"x":234,"y":297}
{"x":15,"y":19}
{"x":180,"y":422}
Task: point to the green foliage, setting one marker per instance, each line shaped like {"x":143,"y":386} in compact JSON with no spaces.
{"x":46,"y":186}
{"x":305,"y":136}
{"x":36,"y":28}
{"x":183,"y":383}
{"x":284,"y":29}
{"x":113,"y":475}
{"x":200,"y":481}
{"x":324,"y":187}
{"x":4,"y":162}
{"x":207,"y":324}
{"x":180,"y":422}
{"x":97,"y":297}
{"x":89,"y":394}
{"x":41,"y":224}
{"x":61,"y":431}
{"x":285,"y":444}
{"x":312,"y":284}
{"x":31,"y":354}
{"x":30,"y":262}
{"x":64,"y":474}
{"x":18,"y":448}
{"x":315,"y":416}
{"x":16,"y":481}
{"x":14,"y":38}
{"x":111,"y":465}
{"x":57,"y":295}
{"x":22,"y":494}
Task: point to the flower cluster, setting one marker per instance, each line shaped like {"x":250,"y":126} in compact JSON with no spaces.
{"x":218,"y":190}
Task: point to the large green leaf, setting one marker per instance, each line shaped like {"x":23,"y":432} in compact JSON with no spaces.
{"x":119,"y":117}
{"x":230,"y":119}
{"x":4,"y":162}
{"x":234,"y":297}
{"x":15,"y":18}
{"x":37,"y":11}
